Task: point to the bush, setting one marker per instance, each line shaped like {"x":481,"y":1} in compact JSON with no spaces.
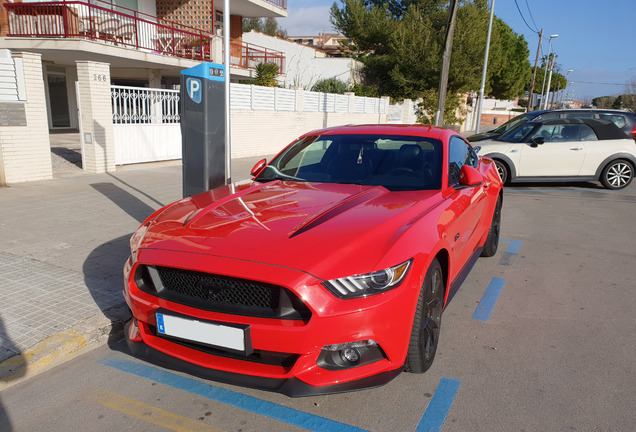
{"x":330,"y":85}
{"x":266,"y":75}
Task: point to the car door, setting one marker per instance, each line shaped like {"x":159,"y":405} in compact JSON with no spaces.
{"x":465,"y":206}
{"x":561,"y":155}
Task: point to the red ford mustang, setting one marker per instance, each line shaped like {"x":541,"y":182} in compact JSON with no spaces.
{"x":326,"y":272}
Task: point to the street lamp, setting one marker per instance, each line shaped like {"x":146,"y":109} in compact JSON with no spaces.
{"x":546,"y":65}
{"x":564,"y":95}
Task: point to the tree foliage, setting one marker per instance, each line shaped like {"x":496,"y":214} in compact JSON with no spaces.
{"x":267,"y":25}
{"x":401,"y":44}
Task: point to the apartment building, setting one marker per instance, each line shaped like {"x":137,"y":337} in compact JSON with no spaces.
{"x":144,"y":42}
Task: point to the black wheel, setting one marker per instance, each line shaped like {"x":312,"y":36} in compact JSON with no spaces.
{"x":426,"y":324}
{"x":617,"y":174}
{"x":502,"y":169}
{"x":492,"y":241}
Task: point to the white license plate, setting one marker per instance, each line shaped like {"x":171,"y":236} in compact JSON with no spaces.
{"x":190,"y":329}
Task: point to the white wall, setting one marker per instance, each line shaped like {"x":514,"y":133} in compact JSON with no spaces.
{"x":304,"y":66}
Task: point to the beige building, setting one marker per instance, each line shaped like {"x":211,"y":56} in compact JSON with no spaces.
{"x":58,"y":59}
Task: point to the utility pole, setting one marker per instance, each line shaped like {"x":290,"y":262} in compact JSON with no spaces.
{"x":534,"y":75}
{"x":443,"y":79}
{"x":546,"y":64}
{"x":482,"y":87}
{"x":547,"y":92}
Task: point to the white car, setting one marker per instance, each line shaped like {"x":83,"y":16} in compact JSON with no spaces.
{"x":564,"y":150}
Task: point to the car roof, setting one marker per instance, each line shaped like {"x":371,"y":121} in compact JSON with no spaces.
{"x":604,"y":129}
{"x":538,"y":113}
{"x":376,"y":129}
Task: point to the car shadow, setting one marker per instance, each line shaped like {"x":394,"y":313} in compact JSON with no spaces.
{"x":12,"y":367}
{"x":103,"y":267}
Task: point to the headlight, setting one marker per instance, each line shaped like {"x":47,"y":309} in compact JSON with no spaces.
{"x":137,"y":237}
{"x":477,"y":148}
{"x":368,"y":284}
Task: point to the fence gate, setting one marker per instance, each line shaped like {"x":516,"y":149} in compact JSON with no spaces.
{"x":146,"y":124}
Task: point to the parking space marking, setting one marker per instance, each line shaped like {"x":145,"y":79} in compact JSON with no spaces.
{"x":487,"y":303}
{"x":514,"y":245}
{"x":432,"y":420}
{"x":258,"y":406}
{"x":439,"y":406}
{"x":151,"y":414}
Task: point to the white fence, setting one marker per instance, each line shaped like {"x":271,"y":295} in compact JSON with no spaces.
{"x":146,"y":122}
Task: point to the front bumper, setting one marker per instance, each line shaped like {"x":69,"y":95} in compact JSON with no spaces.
{"x":386,"y":318}
{"x":292,"y":387}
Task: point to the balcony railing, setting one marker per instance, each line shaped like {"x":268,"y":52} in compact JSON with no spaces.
{"x":280,"y":3}
{"x":119,"y":26}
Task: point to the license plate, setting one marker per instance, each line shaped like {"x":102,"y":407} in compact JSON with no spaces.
{"x":235,"y":338}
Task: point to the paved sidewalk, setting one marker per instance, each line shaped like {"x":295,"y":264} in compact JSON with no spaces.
{"x":63,"y":244}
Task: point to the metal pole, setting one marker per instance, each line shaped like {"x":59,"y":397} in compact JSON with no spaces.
{"x":545,"y":68}
{"x":547,"y":92}
{"x":226,"y":62}
{"x":443,"y":79}
{"x":534,"y":75}
{"x":483,"y":73}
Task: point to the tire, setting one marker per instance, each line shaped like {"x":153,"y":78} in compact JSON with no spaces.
{"x":427,"y":320}
{"x":492,"y":241}
{"x":617,"y":174}
{"x":503,"y":171}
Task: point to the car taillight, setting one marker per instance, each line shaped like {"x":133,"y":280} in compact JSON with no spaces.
{"x":634,"y":132}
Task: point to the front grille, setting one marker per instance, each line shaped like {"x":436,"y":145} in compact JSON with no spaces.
{"x":221,"y":293}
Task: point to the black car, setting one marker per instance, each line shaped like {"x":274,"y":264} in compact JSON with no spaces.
{"x":626,"y":121}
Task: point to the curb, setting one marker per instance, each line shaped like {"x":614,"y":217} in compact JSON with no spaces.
{"x":61,"y":347}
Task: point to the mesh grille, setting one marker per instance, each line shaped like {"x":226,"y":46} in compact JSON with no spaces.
{"x":220,"y":293}
{"x":218,"y":289}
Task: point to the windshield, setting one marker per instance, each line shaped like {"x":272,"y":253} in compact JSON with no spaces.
{"x":519,"y":133}
{"x":394,"y":161}
{"x":510,"y":124}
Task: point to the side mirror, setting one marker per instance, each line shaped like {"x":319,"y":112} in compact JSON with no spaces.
{"x":469,"y":176}
{"x":536,"y":141}
{"x":259,"y":167}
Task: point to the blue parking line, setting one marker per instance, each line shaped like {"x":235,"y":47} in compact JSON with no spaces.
{"x":487,"y":303}
{"x":431,"y":421}
{"x":514,"y":245}
{"x":439,"y":406}
{"x":258,"y":406}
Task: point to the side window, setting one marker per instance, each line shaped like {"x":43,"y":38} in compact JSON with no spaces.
{"x":459,"y":154}
{"x":587,"y":133}
{"x":549,"y":133}
{"x":617,"y":119}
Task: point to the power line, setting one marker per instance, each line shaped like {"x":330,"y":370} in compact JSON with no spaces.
{"x":524,"y":19}
{"x":531,"y":17}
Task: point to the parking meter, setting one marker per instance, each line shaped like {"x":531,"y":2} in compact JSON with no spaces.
{"x":203,"y":127}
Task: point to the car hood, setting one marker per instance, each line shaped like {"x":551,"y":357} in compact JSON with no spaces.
{"x":313,"y":227}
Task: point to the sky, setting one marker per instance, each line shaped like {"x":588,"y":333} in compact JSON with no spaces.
{"x":596,"y":37}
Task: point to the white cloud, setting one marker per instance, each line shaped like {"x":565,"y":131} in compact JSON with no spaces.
{"x":307,"y":21}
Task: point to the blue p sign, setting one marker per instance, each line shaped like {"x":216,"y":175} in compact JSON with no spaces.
{"x":193,"y":87}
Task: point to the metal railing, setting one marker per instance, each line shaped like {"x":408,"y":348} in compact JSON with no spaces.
{"x":116,"y":25}
{"x":136,"y":105}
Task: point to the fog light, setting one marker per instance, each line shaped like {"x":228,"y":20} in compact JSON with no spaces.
{"x":350,"y":355}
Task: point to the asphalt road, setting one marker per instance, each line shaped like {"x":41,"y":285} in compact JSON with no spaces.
{"x":539,"y":338}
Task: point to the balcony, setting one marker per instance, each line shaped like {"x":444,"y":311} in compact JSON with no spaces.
{"x":117,"y":26}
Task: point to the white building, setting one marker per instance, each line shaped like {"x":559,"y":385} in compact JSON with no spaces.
{"x":305,"y":65}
